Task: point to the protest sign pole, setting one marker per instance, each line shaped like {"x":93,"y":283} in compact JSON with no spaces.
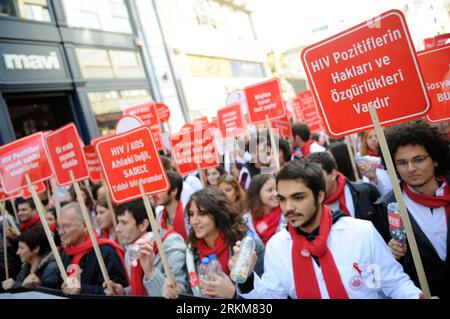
{"x":13,"y":204}
{"x":87,"y":220}
{"x":46,"y":229}
{"x":88,"y":188}
{"x":5,"y":243}
{"x":274,"y":146}
{"x":155,"y":231}
{"x":56,"y":197}
{"x":108,"y":200}
{"x":200,"y":173}
{"x":352,"y":158}
{"x":398,"y":196}
{"x":13,"y":226}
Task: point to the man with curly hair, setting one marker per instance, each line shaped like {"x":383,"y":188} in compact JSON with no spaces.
{"x":421,"y":157}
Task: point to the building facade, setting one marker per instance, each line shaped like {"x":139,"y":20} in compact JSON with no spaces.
{"x":67,"y":61}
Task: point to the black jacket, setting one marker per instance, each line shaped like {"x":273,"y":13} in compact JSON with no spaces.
{"x":364,"y":197}
{"x":47,"y":271}
{"x":436,"y":270}
{"x":91,"y":275}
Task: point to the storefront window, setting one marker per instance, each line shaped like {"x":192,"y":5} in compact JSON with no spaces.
{"x":36,"y":10}
{"x":100,"y":64}
{"x":106,"y":15}
{"x":109,"y":105}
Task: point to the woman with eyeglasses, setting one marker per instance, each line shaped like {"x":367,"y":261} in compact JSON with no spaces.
{"x":39,"y":266}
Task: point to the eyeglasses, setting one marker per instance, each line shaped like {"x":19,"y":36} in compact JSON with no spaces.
{"x":416,"y":161}
{"x":65,"y":227}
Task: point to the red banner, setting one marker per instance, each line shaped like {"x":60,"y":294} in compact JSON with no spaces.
{"x":93,"y":163}
{"x":129,"y":158}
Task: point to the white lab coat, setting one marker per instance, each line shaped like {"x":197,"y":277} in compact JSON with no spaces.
{"x":350,"y":240}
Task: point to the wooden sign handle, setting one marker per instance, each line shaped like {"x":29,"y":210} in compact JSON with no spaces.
{"x":110,"y":205}
{"x":155,"y":231}
{"x":16,"y":216}
{"x":5,"y":241}
{"x":274,"y":146}
{"x":399,"y":197}
{"x":47,"y":231}
{"x":56,"y":197}
{"x":88,"y":223}
{"x":201,"y":175}
{"x":352,"y":159}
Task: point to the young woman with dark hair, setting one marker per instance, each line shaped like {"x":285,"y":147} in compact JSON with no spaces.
{"x":265,"y":218}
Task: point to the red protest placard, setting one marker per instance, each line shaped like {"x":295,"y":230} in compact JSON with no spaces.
{"x":263,"y":99}
{"x":97,"y":139}
{"x":182,"y":151}
{"x":200,"y":123}
{"x":373,"y":63}
{"x":192,"y":147}
{"x":66,"y":154}
{"x":93,"y":163}
{"x":284,"y":128}
{"x":38,"y":187}
{"x":149,"y":116}
{"x":436,"y":72}
{"x":230,"y":121}
{"x":26,"y":156}
{"x":163,"y":112}
{"x":129,"y":158}
{"x":308,"y":108}
{"x":297,"y":108}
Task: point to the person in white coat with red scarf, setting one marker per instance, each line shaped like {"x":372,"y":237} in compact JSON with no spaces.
{"x":323,"y":254}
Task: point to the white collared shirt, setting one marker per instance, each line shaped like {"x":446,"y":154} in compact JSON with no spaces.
{"x":432,"y":222}
{"x":335,"y":206}
{"x":350,"y":241}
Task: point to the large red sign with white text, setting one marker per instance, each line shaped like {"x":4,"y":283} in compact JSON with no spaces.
{"x":93,"y":163}
{"x":230,"y":121}
{"x":148,"y":113}
{"x":26,"y":156}
{"x":264,"y":100}
{"x":129,"y":158}
{"x":66,"y":154}
{"x":192,"y":147}
{"x":371,"y":64}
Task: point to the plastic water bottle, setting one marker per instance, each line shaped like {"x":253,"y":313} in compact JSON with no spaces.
{"x":373,"y":161}
{"x":204,"y":269}
{"x":396,"y":227}
{"x":215,"y":264}
{"x":239,"y":273}
{"x":134,"y":253}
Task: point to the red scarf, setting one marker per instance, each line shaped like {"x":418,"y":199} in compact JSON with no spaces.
{"x":306,"y":149}
{"x":137,"y":273}
{"x":267,"y":225}
{"x":35,"y":220}
{"x":53,"y":227}
{"x":78,"y":252}
{"x":221,"y":249}
{"x":431,"y":201}
{"x":178,"y":221}
{"x":306,"y":285}
{"x":371,"y":152}
{"x":339,"y":194}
